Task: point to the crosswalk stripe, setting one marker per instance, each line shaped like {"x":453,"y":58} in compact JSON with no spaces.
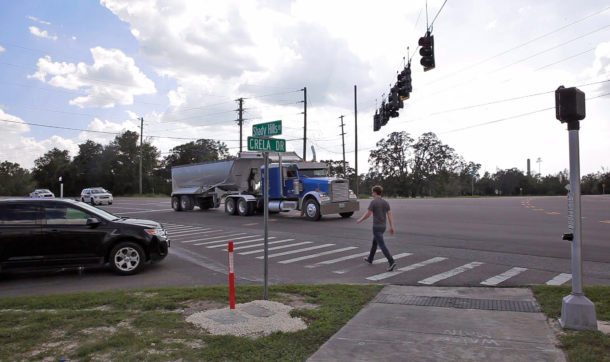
{"x":201,"y":232}
{"x":450,"y":273}
{"x":406,"y":268}
{"x":222,"y":245}
{"x":229,"y":239}
{"x":274,"y":248}
{"x":343,"y":258}
{"x":559,"y":279}
{"x":260,"y":244}
{"x":504,"y":276}
{"x":397,"y":256}
{"x":181,"y":233}
{"x":296,"y":251}
{"x":208,"y":237}
{"x":316,"y":255}
{"x":181,"y":227}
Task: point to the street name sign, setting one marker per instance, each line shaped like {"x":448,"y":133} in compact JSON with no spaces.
{"x":267,"y":129}
{"x":266,"y":144}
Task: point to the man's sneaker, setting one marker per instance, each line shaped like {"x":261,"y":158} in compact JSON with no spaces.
{"x":366,"y":260}
{"x":392,"y":266}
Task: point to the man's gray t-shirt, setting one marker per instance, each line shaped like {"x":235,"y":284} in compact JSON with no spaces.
{"x":379,"y":207}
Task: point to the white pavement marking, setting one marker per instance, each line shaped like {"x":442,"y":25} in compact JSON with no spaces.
{"x":141,"y":212}
{"x":180,"y":227}
{"x":179,"y":233}
{"x":397,"y":256}
{"x":296,"y":251}
{"x":504,"y":276}
{"x":240,"y":242}
{"x":316,"y":255}
{"x":274,"y":248}
{"x":221,"y":236}
{"x":259,"y":244}
{"x":343,"y":258}
{"x":186,"y":228}
{"x":406,"y":268}
{"x":229,"y":239}
{"x":559,"y":279}
{"x":448,"y":274}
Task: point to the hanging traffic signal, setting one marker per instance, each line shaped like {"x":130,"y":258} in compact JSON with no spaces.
{"x":427,"y":51}
{"x":376,"y":122}
{"x":404,"y":83}
{"x":384,"y":113}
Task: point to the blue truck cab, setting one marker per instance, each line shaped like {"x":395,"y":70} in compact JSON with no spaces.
{"x":306,"y":186}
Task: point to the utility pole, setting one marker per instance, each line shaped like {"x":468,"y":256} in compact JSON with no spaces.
{"x":343,"y":140}
{"x":141,"y":150}
{"x":539,"y":161}
{"x":356,"y":137}
{"x":304,"y":123}
{"x":240,"y":120}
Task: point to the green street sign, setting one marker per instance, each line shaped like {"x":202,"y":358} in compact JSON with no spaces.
{"x":266,"y":144}
{"x":267,"y":129}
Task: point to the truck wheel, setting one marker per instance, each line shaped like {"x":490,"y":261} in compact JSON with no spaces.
{"x":127,"y":258}
{"x":176,"y":203}
{"x":312,"y":210}
{"x":230,"y":206}
{"x":186,"y":202}
{"x":242,"y":207}
{"x":346,"y":214}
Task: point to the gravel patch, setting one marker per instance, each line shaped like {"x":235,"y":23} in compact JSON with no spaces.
{"x":254,"y":319}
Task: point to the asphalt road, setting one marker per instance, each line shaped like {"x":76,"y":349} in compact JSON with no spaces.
{"x":444,"y":242}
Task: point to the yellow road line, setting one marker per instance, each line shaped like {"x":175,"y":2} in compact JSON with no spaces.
{"x":251,"y":224}
{"x":553,"y":213}
{"x":605,"y":221}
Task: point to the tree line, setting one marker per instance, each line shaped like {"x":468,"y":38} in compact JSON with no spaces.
{"x":407,"y":167}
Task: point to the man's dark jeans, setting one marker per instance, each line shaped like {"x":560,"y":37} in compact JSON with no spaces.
{"x":378,"y":231}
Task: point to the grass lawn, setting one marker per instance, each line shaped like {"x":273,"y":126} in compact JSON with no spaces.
{"x":149,"y":324}
{"x":581,"y":345}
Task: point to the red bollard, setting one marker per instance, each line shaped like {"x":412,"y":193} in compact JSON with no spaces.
{"x":231,"y":277}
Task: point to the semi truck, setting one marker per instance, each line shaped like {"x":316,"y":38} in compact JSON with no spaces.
{"x":293,"y":185}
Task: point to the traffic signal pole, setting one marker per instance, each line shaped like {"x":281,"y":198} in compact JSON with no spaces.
{"x":577,"y":311}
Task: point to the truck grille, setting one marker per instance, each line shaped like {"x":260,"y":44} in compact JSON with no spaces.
{"x":339,"y":191}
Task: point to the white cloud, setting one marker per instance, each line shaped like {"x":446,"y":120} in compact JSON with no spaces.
{"x":1,"y":49}
{"x":33,"y":18}
{"x":73,"y":37}
{"x":41,"y":33}
{"x":112,"y":78}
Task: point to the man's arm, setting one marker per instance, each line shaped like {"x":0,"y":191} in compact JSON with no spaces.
{"x":391,"y":218}
{"x":364,"y":217}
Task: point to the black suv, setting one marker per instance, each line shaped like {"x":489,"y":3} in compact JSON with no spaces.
{"x":67,"y":233}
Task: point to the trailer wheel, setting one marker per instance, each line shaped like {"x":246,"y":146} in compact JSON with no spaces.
{"x":230,"y":206}
{"x":242,"y":207}
{"x":346,"y":214}
{"x":176,"y":203}
{"x":312,"y":210}
{"x":186,"y":202}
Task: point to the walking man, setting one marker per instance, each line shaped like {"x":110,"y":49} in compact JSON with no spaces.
{"x":379,"y":208}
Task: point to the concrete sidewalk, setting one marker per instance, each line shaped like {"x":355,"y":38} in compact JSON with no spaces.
{"x":405,"y":323}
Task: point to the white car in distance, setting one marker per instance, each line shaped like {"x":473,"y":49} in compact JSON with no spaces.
{"x":96,"y":196}
{"x":42,"y":194}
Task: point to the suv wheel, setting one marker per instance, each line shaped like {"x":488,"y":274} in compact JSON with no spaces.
{"x":92,"y":202}
{"x":82,"y":199}
{"x":127,"y":258}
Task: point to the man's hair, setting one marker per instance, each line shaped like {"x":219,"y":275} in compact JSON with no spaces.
{"x":378,"y":190}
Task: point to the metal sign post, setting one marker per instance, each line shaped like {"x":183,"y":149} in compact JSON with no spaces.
{"x":577,"y":311}
{"x":266,"y":213}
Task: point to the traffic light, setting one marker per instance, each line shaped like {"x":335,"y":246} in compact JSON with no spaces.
{"x":427,"y":51}
{"x":394,"y":98}
{"x":384,"y":113}
{"x":376,"y":122}
{"x":404,"y":83}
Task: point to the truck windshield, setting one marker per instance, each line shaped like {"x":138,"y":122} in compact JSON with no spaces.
{"x":313,"y":173}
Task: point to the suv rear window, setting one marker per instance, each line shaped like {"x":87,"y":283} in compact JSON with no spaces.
{"x":20,"y":214}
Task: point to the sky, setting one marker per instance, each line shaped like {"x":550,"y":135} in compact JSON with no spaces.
{"x":75,"y":70}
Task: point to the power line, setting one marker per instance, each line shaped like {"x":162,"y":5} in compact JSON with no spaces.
{"x":511,"y":117}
